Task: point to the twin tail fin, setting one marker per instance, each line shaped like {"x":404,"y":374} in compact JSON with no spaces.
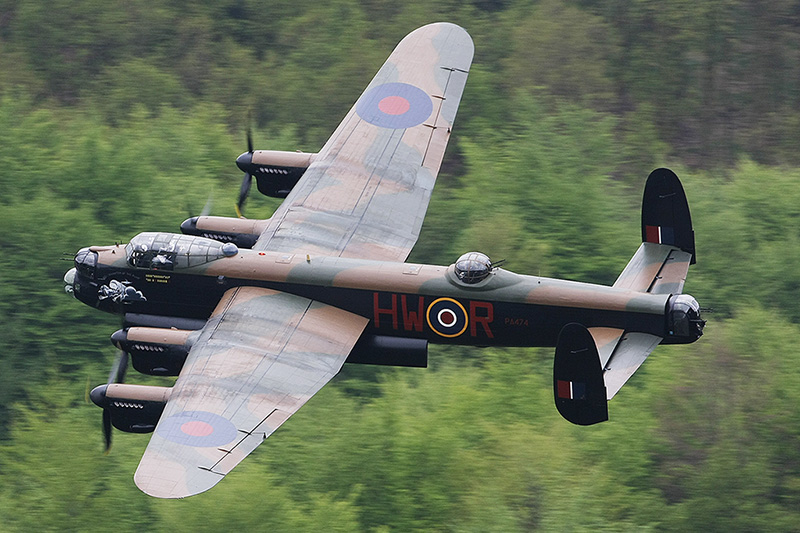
{"x":591,"y":365}
{"x":665,"y":212}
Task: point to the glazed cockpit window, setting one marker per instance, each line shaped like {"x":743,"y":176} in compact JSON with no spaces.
{"x":173,"y":251}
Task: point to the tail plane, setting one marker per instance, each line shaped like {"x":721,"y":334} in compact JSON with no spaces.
{"x":590,"y":362}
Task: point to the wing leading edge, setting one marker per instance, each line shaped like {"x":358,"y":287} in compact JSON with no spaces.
{"x":260,"y":357}
{"x":264,"y":353}
{"x":366,"y":192}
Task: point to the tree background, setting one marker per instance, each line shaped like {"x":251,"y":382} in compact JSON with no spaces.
{"x":123,"y":116}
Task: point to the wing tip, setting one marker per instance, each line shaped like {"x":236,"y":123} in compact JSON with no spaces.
{"x":163,"y":488}
{"x":161,"y":478}
{"x":455,"y":35}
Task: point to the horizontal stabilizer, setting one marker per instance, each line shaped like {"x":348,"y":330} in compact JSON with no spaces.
{"x":578,"y":385}
{"x":662,"y":261}
{"x":628,"y":356}
{"x":665,"y":212}
{"x":657,"y":269}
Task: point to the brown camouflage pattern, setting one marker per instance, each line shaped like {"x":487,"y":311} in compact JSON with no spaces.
{"x":283,"y":159}
{"x":409,"y":278}
{"x":143,"y":393}
{"x":348,"y":223}
{"x":213,"y":224}
{"x":655,"y":268}
{"x":261,"y":356}
{"x":365,"y":194}
{"x":159,"y":335}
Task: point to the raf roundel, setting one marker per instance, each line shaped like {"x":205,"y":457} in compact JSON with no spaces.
{"x":395,"y":106}
{"x":197,"y":428}
{"x":447,"y":317}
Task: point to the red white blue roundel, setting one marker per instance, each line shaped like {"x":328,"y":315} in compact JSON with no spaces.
{"x":447,"y":317}
{"x":395,"y":105}
{"x":197,"y":428}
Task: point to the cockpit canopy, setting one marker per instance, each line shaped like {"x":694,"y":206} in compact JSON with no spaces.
{"x":172,"y":251}
{"x":473,"y":267}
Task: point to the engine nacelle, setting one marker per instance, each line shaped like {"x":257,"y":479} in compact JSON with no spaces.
{"x":133,"y":408}
{"x":276,"y":172}
{"x":160,"y":321}
{"x":155,"y":351}
{"x":392,"y":351}
{"x":243,"y":232}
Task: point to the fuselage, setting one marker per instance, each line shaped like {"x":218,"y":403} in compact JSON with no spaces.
{"x":400,"y":299}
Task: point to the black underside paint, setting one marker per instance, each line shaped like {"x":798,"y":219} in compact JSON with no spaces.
{"x":578,"y":386}
{"x":392,"y":314}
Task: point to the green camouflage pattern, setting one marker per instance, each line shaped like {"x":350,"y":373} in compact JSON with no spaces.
{"x":328,"y":267}
{"x":366,"y":193}
{"x":264,"y":353}
{"x":261,"y":356}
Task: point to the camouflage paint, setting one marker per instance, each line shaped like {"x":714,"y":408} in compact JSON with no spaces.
{"x":398,"y":299}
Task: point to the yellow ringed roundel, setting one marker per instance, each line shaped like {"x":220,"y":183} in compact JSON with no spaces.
{"x":447,"y":317}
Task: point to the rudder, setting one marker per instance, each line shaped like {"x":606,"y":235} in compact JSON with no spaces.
{"x":578,"y":385}
{"x":665,"y":212}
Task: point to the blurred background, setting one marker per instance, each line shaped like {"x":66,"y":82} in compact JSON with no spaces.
{"x":119,"y":116}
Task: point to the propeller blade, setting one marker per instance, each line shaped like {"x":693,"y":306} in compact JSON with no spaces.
{"x":207,"y":208}
{"x":107,"y":430}
{"x":117,"y":374}
{"x":244,"y":162}
{"x":243,"y":192}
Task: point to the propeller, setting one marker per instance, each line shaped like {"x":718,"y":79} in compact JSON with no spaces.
{"x":244,"y":162}
{"x":98,"y":394}
{"x":207,"y":208}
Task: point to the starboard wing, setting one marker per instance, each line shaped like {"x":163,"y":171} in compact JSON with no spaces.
{"x":259,"y":358}
{"x":366,"y":192}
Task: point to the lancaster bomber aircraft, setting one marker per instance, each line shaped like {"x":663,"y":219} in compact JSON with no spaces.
{"x":255,"y":316}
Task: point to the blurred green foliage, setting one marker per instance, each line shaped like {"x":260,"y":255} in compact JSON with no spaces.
{"x":118,"y":117}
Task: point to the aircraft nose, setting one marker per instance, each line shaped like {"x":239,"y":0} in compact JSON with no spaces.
{"x":69,"y":281}
{"x":245,"y":161}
